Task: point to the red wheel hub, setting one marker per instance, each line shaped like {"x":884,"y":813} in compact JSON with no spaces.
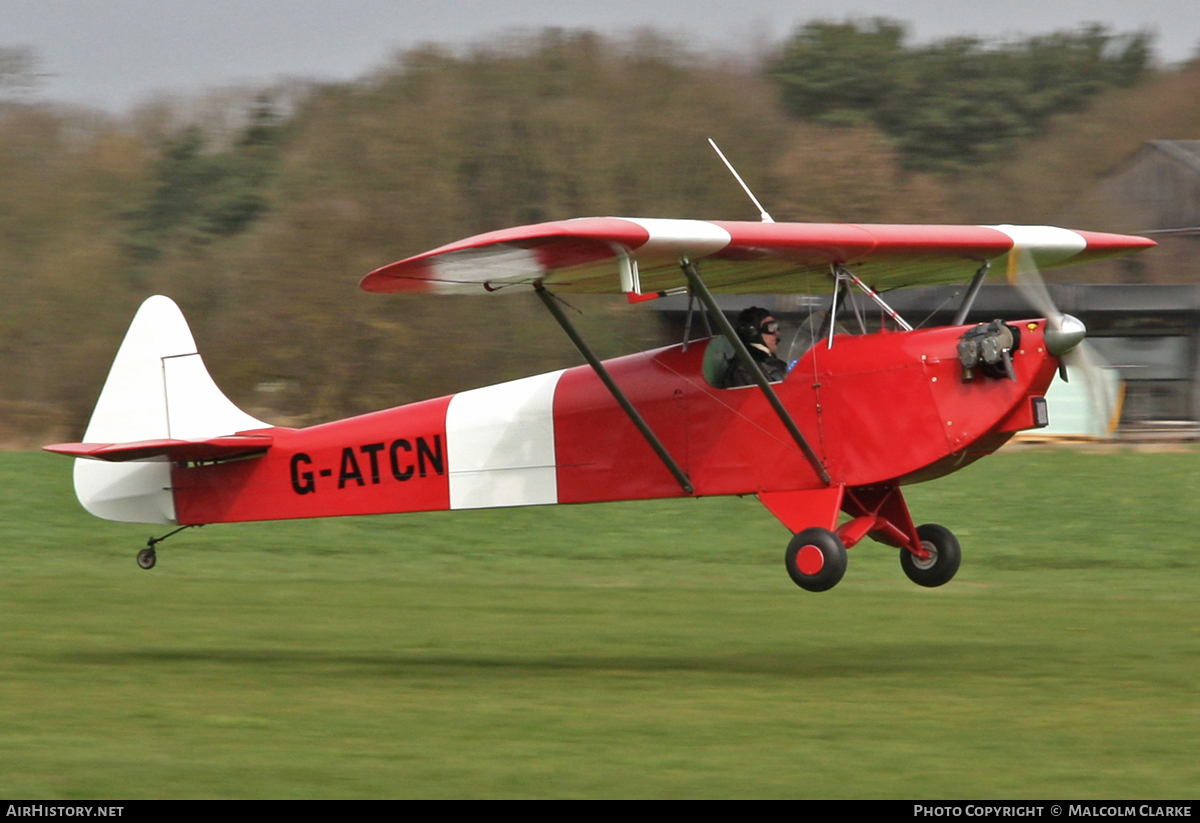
{"x":810,"y":560}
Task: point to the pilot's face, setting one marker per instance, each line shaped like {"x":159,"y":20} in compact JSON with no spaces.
{"x":770,"y":334}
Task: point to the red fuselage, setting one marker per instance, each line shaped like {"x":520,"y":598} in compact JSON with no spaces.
{"x":883,"y":408}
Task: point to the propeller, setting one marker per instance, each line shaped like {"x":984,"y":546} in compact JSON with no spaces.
{"x":1065,"y":339}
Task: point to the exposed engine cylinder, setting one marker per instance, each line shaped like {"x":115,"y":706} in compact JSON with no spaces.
{"x":989,"y":346}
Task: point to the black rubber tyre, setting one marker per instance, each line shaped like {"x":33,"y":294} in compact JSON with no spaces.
{"x":945,"y":553}
{"x":146,"y":558}
{"x":816,"y":559}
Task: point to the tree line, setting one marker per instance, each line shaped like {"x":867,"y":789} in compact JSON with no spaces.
{"x":957,"y":101}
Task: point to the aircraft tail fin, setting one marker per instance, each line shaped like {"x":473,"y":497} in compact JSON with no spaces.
{"x":157,"y":390}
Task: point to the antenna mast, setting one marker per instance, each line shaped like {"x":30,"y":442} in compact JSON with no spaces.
{"x":762,"y":213}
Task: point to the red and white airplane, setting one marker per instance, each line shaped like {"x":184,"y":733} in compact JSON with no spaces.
{"x":856,"y":418}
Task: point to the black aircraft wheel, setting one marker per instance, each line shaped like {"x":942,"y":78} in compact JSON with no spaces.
{"x":816,"y":559}
{"x":146,"y":558}
{"x":944,"y":557}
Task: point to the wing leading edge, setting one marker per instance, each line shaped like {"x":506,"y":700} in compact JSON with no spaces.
{"x":613,"y":255}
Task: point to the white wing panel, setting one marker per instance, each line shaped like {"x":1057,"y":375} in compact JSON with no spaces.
{"x":462,"y":272}
{"x":670,"y":237}
{"x":1047,"y":244}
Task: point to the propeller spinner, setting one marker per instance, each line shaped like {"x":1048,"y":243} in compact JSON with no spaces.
{"x":1065,"y":338}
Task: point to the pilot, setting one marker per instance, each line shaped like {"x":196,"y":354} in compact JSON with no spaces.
{"x":760,"y":332}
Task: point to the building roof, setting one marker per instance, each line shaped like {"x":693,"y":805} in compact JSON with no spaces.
{"x":1185,"y":152}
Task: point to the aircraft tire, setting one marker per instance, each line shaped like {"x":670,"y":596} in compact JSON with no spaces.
{"x":146,"y":558}
{"x":942,"y":566}
{"x":819,"y":570}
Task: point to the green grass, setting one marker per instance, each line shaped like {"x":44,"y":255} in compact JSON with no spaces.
{"x":627,"y":650}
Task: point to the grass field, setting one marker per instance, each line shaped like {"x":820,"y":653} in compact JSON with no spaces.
{"x":627,"y":650}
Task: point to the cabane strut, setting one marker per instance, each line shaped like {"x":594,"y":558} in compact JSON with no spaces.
{"x":960,"y":316}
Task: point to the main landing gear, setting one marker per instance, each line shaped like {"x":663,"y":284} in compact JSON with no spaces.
{"x":816,"y":557}
{"x":148,"y":557}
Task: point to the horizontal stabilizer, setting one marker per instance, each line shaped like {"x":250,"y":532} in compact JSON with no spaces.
{"x":217,"y":448}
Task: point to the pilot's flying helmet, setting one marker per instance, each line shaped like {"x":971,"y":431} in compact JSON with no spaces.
{"x":750,"y":324}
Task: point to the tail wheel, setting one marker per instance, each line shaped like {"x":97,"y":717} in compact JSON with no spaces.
{"x":944,"y":557}
{"x":816,"y":559}
{"x":146,"y":558}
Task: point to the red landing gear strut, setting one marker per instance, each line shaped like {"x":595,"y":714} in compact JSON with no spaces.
{"x":816,"y":557}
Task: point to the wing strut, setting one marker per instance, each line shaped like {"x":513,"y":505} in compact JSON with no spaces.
{"x":612,"y":386}
{"x":743,"y":354}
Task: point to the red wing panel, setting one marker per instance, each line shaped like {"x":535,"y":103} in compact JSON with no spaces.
{"x":1101,"y":245}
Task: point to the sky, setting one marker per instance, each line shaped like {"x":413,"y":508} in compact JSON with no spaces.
{"x":114,"y":54}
